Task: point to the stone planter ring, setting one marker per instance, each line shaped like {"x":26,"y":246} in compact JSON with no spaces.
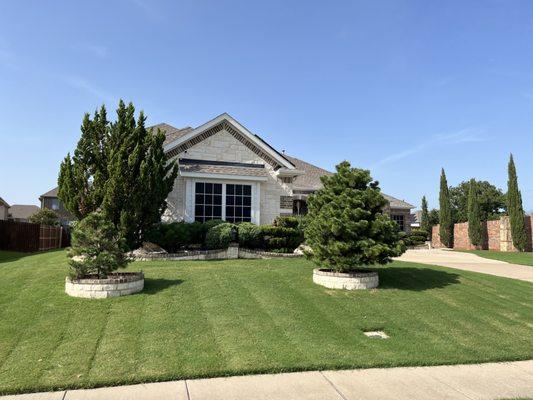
{"x":117,"y":284}
{"x":346,"y":280}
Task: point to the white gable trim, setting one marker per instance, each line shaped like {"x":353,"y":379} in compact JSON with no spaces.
{"x":245,"y":132}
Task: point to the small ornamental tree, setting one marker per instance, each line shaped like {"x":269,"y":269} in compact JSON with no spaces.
{"x":424,"y":217}
{"x":97,"y":247}
{"x":445,"y":213}
{"x":44,"y":217}
{"x":515,"y":209}
{"x":475,"y":228}
{"x":346,"y":227}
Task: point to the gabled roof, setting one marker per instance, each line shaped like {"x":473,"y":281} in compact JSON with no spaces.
{"x":3,"y":203}
{"x":50,"y":193}
{"x":171,"y":133}
{"x":310,"y":181}
{"x":22,"y":211}
{"x":183,"y":137}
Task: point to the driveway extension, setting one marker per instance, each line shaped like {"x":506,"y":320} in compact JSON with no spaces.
{"x":469,"y":262}
{"x":476,"y":381}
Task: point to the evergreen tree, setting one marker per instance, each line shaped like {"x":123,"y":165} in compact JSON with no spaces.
{"x":445,"y":213}
{"x":121,"y":169}
{"x":425,"y":223}
{"x":97,"y":247}
{"x":82,"y":177}
{"x":346,"y":226}
{"x":515,"y":209}
{"x":475,"y":227}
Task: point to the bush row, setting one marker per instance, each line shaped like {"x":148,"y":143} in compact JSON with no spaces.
{"x":415,"y":237}
{"x":284,"y":235}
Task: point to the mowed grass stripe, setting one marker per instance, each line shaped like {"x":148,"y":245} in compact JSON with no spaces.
{"x":200,"y":319}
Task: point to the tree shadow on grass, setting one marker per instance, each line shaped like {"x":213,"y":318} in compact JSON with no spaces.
{"x":416,"y":279}
{"x":154,"y":286}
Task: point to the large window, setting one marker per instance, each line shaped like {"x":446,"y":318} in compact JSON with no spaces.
{"x":238,"y":203}
{"x":231,"y":202}
{"x":399,"y":219}
{"x":208,"y":201}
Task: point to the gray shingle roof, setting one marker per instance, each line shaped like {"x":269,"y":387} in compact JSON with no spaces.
{"x":171,"y":133}
{"x":51,"y":193}
{"x":310,"y":181}
{"x":22,"y":211}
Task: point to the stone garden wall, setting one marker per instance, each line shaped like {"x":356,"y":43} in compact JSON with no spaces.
{"x":232,"y":252}
{"x":497,"y":236}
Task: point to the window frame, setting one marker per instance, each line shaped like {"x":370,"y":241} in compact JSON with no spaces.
{"x":190,"y":197}
{"x":402,"y":216}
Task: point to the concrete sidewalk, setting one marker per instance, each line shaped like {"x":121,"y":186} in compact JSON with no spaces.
{"x":478,"y":381}
{"x":469,"y":262}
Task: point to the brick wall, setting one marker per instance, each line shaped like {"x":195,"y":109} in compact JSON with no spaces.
{"x":497,"y":236}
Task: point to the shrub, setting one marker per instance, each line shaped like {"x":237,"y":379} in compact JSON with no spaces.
{"x":280,"y":238}
{"x":219,"y":236}
{"x":415,"y":237}
{"x":287,"y":222}
{"x":44,"y":217}
{"x":97,"y":247}
{"x":250,"y":235}
{"x":346,"y":227}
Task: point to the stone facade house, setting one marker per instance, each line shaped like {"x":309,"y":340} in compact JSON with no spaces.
{"x":227,"y":172}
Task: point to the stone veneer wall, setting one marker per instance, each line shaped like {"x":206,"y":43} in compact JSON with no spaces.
{"x":224,"y":147}
{"x":497,"y":236}
{"x":232,"y":252}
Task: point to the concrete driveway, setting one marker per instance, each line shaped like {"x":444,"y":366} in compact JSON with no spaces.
{"x":469,"y":262}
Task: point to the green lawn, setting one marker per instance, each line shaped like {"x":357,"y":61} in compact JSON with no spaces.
{"x":510,"y":257}
{"x":201,"y":319}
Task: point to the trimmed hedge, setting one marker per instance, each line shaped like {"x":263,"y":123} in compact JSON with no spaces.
{"x":285,"y":235}
{"x":219,"y":236}
{"x":415,"y":237}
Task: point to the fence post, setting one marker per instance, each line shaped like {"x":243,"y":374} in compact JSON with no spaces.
{"x":60,"y":237}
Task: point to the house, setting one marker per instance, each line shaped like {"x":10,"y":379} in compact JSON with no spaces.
{"x":4,"y":207}
{"x":227,"y":172}
{"x":50,"y":201}
{"x":22,"y":212}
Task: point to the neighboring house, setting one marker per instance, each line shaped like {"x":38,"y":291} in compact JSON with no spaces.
{"x":50,"y":201}
{"x":22,"y":212}
{"x":226,"y":172}
{"x":4,"y":207}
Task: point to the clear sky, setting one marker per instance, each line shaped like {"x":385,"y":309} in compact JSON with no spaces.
{"x":400,"y":87}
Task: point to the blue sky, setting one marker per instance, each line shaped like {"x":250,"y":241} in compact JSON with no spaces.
{"x":400,"y":87}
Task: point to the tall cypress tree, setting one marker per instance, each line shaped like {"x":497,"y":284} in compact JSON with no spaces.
{"x":82,"y":177}
{"x":424,"y":223}
{"x":515,"y":209}
{"x":475,"y":227}
{"x":445,"y":213}
{"x":121,"y":169}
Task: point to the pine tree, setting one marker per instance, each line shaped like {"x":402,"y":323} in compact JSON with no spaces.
{"x":424,"y":223}
{"x":515,"y":209}
{"x":346,"y":226}
{"x":445,"y":213}
{"x":475,"y":227}
{"x":121,"y":169}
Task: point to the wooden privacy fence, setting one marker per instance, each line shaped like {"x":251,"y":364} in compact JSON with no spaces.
{"x":27,"y":237}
